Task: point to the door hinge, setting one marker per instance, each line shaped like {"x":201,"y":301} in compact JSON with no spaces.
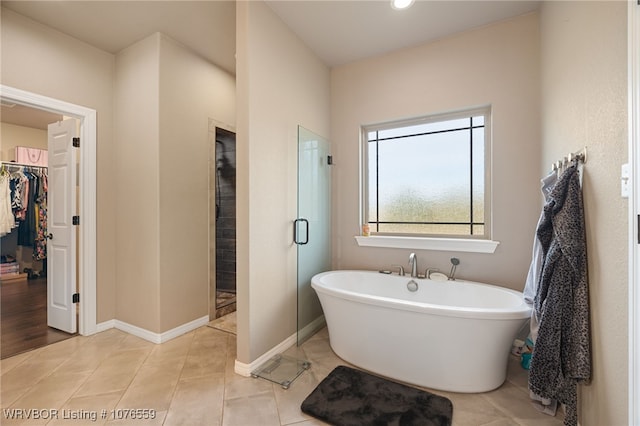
{"x":76,"y":220}
{"x":76,"y":142}
{"x":330,"y":157}
{"x":76,"y":298}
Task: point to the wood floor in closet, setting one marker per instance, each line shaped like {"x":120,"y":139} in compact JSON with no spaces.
{"x":23,"y":317}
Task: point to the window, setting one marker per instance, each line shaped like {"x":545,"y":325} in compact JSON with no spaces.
{"x":429,"y":176}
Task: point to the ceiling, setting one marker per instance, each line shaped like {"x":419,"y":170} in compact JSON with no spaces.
{"x":207,"y":27}
{"x":27,"y":117}
{"x":338,"y":32}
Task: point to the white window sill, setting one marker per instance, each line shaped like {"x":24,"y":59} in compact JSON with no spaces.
{"x":421,"y":243}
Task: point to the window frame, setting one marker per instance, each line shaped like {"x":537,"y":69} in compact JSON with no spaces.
{"x":416,"y":239}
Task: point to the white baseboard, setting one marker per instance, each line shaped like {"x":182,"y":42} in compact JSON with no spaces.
{"x":184,"y":328}
{"x":103,"y":326}
{"x":245,"y":369}
{"x":149,"y":335}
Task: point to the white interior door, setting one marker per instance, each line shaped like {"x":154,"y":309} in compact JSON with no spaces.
{"x":61,"y":246}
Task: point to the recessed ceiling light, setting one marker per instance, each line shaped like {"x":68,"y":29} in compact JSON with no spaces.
{"x":401,"y":4}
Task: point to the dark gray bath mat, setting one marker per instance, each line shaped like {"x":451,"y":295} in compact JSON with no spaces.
{"x":348,"y":397}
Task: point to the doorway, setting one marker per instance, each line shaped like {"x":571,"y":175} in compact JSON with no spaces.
{"x":86,"y":243}
{"x":222,"y":219}
{"x":25,"y":286}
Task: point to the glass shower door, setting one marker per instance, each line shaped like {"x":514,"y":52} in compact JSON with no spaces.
{"x":312,"y":229}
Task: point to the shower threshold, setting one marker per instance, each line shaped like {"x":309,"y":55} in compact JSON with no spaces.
{"x":281,"y":369}
{"x":225,"y":298}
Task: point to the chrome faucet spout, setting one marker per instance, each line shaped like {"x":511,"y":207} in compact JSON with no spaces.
{"x":413,"y":263}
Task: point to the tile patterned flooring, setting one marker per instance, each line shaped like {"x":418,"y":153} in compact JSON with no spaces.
{"x":190,"y":381}
{"x":225,"y":323}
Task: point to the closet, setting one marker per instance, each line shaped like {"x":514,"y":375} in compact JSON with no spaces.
{"x":24,"y":178}
{"x":23,"y":220}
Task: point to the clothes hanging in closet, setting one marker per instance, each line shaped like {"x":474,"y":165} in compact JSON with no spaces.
{"x":28,"y":194}
{"x":7,"y":220}
{"x":40,"y":242}
{"x":562,"y":355}
{"x":27,"y":227}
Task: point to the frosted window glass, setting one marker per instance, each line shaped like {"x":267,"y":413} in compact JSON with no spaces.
{"x":428,"y":178}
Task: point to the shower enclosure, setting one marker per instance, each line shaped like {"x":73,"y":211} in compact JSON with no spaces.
{"x":313,"y":226}
{"x":312,"y":234}
{"x":222,"y":218}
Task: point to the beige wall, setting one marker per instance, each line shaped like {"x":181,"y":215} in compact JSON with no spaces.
{"x":191,"y":91}
{"x":164,"y":97}
{"x":12,"y":136}
{"x":136,"y":183}
{"x":497,"y":65}
{"x":38,"y":59}
{"x":584,"y":103}
{"x":281,"y":84}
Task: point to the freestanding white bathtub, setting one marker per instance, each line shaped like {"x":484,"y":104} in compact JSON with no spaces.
{"x":449,"y":335}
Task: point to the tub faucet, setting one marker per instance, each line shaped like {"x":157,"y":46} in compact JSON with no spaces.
{"x":413,"y":263}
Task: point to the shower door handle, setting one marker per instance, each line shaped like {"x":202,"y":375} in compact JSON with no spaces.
{"x":295,"y":231}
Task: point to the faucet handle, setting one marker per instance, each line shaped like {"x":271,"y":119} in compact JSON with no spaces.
{"x":400,"y":269}
{"x":427,"y":273}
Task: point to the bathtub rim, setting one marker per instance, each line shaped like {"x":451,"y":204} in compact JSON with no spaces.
{"x":521,"y":311}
